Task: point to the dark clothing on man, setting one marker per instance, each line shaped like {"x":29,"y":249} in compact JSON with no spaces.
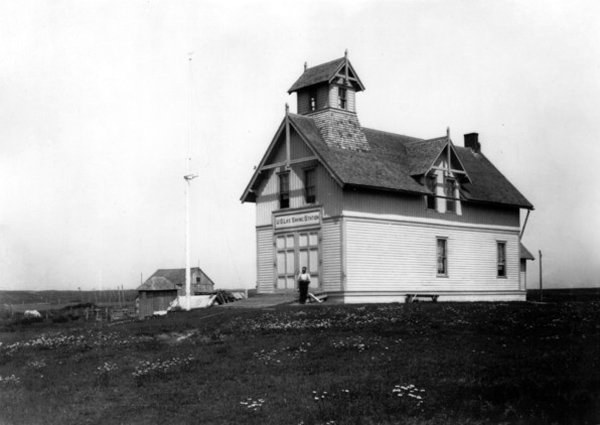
{"x":303,"y":285}
{"x":303,"y":282}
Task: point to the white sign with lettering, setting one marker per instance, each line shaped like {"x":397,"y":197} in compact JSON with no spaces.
{"x":311,"y":218}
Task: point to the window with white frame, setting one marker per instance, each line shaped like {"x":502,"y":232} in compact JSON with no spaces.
{"x":442,"y":257}
{"x":501,"y":261}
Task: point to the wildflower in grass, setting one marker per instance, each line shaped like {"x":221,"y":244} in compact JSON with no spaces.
{"x":324,"y":395}
{"x":253,"y":404}
{"x":320,"y":396}
{"x":274,"y":356}
{"x":411,"y":392}
{"x":160,"y":368}
{"x":9,"y":380}
{"x":37,"y":364}
{"x":104,"y":371}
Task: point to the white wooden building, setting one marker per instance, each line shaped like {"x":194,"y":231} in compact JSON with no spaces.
{"x":375,"y":216}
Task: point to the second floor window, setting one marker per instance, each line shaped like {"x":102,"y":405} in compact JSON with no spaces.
{"x":310,"y":192}
{"x":284,"y":190}
{"x":342,"y":97}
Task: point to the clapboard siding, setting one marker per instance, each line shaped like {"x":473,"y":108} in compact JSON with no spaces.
{"x":392,"y":205}
{"x":266,"y":199}
{"x":331,"y":267}
{"x":334,"y":98}
{"x":303,"y":99}
{"x":278,"y":154}
{"x":386,"y":255}
{"x":523,"y":275}
{"x":264,"y":267}
{"x":299,"y":149}
{"x":303,"y":102}
{"x":329,"y":193}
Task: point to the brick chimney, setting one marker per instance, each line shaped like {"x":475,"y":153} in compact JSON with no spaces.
{"x":472,"y":142}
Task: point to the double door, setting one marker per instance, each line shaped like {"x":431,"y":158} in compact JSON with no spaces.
{"x":293,"y":251}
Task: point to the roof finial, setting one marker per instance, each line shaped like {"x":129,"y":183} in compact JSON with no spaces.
{"x":346,"y":53}
{"x":287,"y":108}
{"x":448,"y":132}
{"x":305,"y":66}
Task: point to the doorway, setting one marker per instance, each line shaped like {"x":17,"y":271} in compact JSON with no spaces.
{"x":294,"y":251}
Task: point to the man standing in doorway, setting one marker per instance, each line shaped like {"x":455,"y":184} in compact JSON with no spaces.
{"x":303,"y":282}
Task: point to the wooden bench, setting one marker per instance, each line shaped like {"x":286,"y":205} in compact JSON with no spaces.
{"x":412,"y":298}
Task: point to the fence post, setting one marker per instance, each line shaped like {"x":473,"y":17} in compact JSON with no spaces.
{"x":541,"y":288}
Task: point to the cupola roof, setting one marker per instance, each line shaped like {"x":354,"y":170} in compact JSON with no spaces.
{"x":327,"y":73}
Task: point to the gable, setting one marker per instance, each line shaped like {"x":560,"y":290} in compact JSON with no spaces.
{"x":278,"y":151}
{"x":448,"y":160}
{"x":298,"y":149}
{"x":276,"y":156}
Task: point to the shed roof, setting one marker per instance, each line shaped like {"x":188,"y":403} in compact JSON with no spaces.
{"x":157,"y":283}
{"x":524,"y":253}
{"x":166,"y":279}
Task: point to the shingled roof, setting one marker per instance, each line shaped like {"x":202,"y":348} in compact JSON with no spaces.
{"x":170,"y":279}
{"x":423,"y":153}
{"x":524,"y":253}
{"x":157,"y":283}
{"x":383,"y":166}
{"x":393,"y":161}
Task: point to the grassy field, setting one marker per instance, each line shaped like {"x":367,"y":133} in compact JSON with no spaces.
{"x":20,"y":301}
{"x":425,"y":363}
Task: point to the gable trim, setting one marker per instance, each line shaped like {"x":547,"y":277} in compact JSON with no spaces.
{"x":292,"y":162}
{"x":449,"y":145}
{"x":249,"y":188}
{"x":262,"y":167}
{"x":355,"y":77}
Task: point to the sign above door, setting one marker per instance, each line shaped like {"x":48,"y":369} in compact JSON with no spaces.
{"x":301,"y":219}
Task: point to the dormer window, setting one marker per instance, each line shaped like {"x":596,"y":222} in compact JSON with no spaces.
{"x":449,"y":190}
{"x":312,"y":101}
{"x":431,"y":182}
{"x":342,"y":102}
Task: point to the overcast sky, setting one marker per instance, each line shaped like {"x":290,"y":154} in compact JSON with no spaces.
{"x":95,"y":121}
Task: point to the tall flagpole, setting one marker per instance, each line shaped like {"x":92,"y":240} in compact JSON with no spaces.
{"x":188,"y":177}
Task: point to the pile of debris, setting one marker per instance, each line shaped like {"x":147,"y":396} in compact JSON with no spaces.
{"x":221,"y":297}
{"x":204,"y":300}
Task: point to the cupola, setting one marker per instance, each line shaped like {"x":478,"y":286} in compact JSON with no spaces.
{"x":331,"y":85}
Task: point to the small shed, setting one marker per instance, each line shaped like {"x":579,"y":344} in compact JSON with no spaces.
{"x":160,"y":289}
{"x":524,"y":255}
